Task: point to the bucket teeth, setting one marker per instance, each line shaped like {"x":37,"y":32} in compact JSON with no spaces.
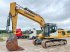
{"x":12,"y":45}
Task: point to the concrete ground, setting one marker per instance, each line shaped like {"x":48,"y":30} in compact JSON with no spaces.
{"x":29,"y":47}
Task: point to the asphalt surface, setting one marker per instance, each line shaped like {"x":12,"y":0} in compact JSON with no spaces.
{"x":29,"y":47}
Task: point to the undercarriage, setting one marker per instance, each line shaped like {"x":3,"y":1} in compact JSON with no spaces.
{"x":49,"y":42}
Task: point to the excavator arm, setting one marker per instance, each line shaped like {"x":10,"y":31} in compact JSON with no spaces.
{"x":14,"y":11}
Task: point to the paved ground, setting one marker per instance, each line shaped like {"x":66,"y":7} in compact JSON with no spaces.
{"x":29,"y":47}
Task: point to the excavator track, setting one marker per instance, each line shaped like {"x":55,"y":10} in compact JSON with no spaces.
{"x":53,"y":42}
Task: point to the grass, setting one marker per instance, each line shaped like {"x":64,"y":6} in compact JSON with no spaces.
{"x":3,"y":35}
{"x":1,"y":39}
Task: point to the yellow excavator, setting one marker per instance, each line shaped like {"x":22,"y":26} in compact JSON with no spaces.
{"x":45,"y":39}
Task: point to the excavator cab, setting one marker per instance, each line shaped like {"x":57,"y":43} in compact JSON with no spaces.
{"x":49,"y":28}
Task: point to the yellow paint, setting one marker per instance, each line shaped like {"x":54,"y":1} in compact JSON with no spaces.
{"x":31,"y":15}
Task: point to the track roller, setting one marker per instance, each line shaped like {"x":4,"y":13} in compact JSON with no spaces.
{"x":45,"y":44}
{"x":63,"y":42}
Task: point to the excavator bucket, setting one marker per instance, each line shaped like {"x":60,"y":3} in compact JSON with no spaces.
{"x":12,"y":44}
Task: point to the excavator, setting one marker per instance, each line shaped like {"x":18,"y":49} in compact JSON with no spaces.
{"x":44,"y":38}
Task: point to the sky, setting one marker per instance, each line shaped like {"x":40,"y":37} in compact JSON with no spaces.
{"x":53,"y":11}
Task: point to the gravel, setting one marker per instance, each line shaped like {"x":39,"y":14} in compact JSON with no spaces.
{"x":29,"y":47}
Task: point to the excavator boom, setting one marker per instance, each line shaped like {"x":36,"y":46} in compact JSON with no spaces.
{"x":14,"y":11}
